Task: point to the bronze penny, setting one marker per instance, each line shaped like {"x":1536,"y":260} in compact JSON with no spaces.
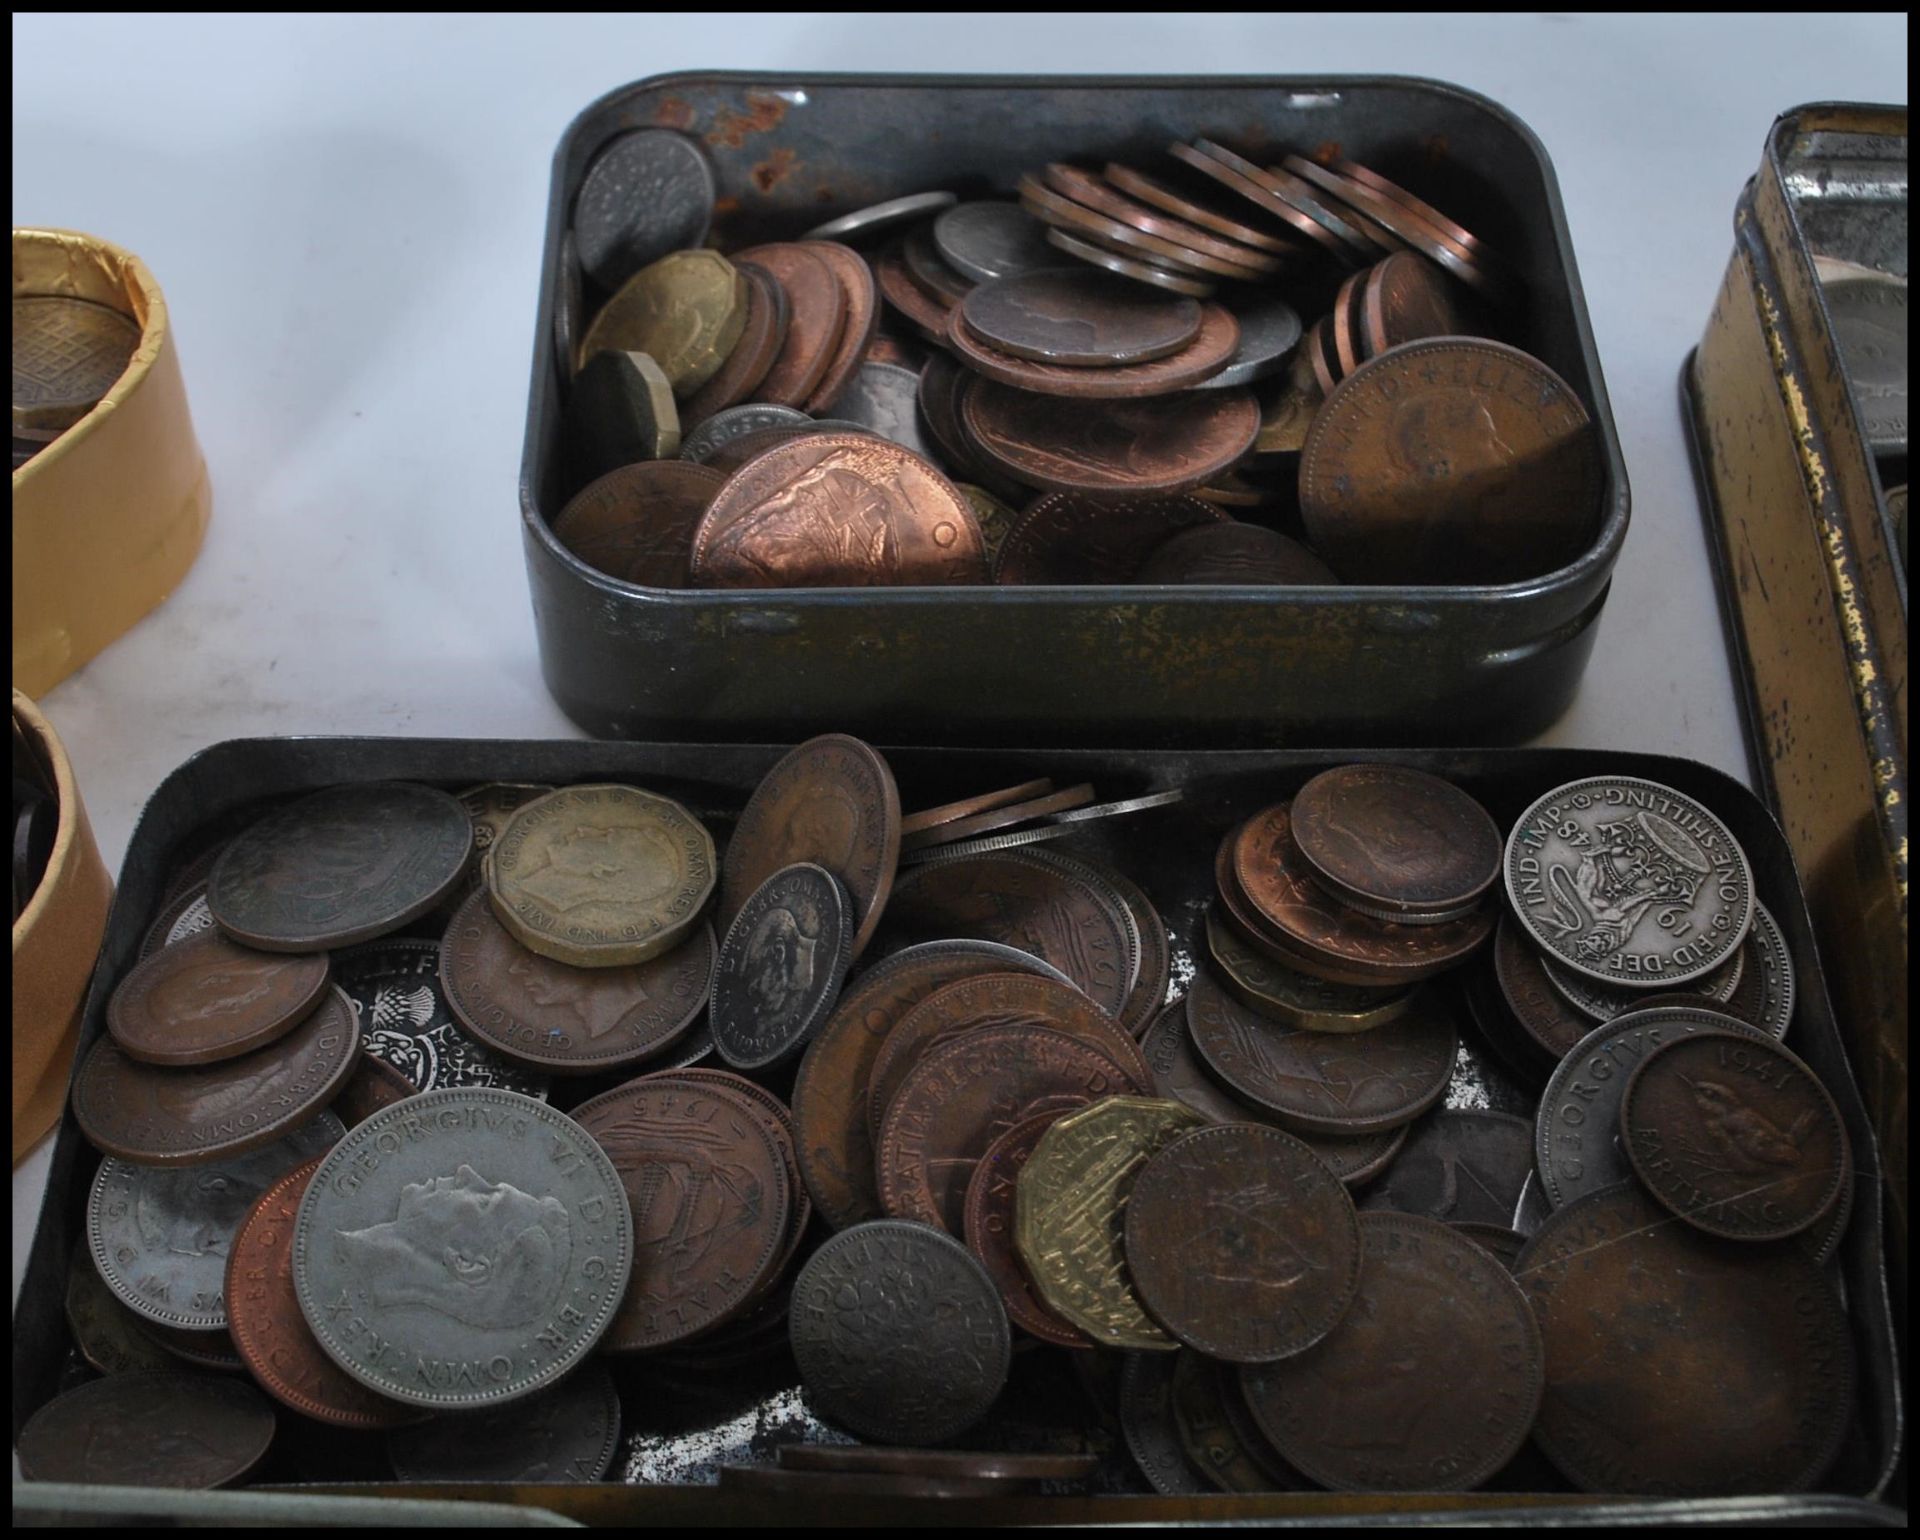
{"x":696,"y":1159}
{"x":1138,"y":184}
{"x":1242,"y":1243}
{"x":976,"y":1465}
{"x":1147,"y":1423}
{"x":572,"y":1021}
{"x":1451,"y":460}
{"x":1126,"y":448}
{"x":1541,"y":1011}
{"x":637,"y":523}
{"x":966,"y":807}
{"x":181,"y":1117}
{"x":1679,"y":1365}
{"x":1396,"y":843}
{"x":1344,"y":322}
{"x":963,"y":1095}
{"x":1474,"y":1167}
{"x":1407,"y":298}
{"x":1297,"y":999}
{"x":1381,"y":214}
{"x":837,"y":510}
{"x":862,"y":317}
{"x":816,"y":317}
{"x":207,"y":999}
{"x":922,"y":310}
{"x":1089,"y":191}
{"x":373,"y":1085}
{"x":752,"y":358}
{"x":1353,"y":1083}
{"x":1242,"y":176}
{"x":272,"y":1336}
{"x":777,"y":1118}
{"x":1103,"y":254}
{"x":1737,"y":1137}
{"x":831,"y":1136}
{"x":1229,"y":1450}
{"x":1366,"y":236}
{"x":194,"y":1431}
{"x":1322,"y":355}
{"x":1070,"y":316}
{"x":1066,"y":214}
{"x":1231,"y":554}
{"x":1430,"y":1383}
{"x":991,"y":1195}
{"x":780,"y":967}
{"x":1211,"y":350}
{"x":1073,"y":537}
{"x":1498,"y":1239}
{"x":1353,"y":171}
{"x":1063,"y":800}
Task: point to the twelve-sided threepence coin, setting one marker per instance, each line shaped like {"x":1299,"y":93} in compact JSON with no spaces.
{"x":462,"y":1249}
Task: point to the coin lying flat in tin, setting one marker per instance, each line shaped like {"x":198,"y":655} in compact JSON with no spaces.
{"x":1758,"y":1328}
{"x":817,"y":318}
{"x":108,"y":1334}
{"x":620,"y":411}
{"x":1218,"y":1433}
{"x":342,"y":865}
{"x":991,"y":240}
{"x":208,"y":999}
{"x":161,"y":1237}
{"x":67,"y":354}
{"x":1075,"y":316}
{"x":1542,"y":1012}
{"x":1148,"y":1426}
{"x":1396,"y":843}
{"x":462,"y":1249}
{"x":192,"y":1431}
{"x":636,"y":523}
{"x":879,"y":218}
{"x":1295,"y":998}
{"x":1463,"y":1167}
{"x":1231,"y":553}
{"x":780,"y":967}
{"x":686,"y":310}
{"x":885,"y":399}
{"x":899,"y":1333}
{"x":1211,"y":349}
{"x":568,"y":1432}
{"x":647,"y":194}
{"x":992,"y":1196}
{"x":1073,"y":537}
{"x":723,"y":427}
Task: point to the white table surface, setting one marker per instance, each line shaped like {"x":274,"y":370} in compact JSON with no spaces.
{"x":346,"y":214}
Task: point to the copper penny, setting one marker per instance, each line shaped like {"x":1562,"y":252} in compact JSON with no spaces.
{"x":1353,"y":171}
{"x":272,"y":1336}
{"x":1407,"y":298}
{"x":1062,"y":800}
{"x":1073,"y":316}
{"x":696,"y":1159}
{"x":1126,"y":448}
{"x":777,"y":1118}
{"x":816,"y":316}
{"x":1240,"y":176}
{"x":1322,"y":355}
{"x":373,"y":1085}
{"x":1360,"y":231}
{"x":1232,"y":554}
{"x":1679,"y":1365}
{"x":1147,"y":1423}
{"x":1354,"y":1083}
{"x":181,"y":1117}
{"x":1218,"y":1432}
{"x":897,"y":288}
{"x":1451,"y":460}
{"x":1473,"y":1167}
{"x":1138,"y":184}
{"x":207,"y":999}
{"x":1210,"y":351}
{"x":1345,"y":324}
{"x":1074,"y":537}
{"x":989,"y":1216}
{"x":1737,"y":1137}
{"x":1089,"y":191}
{"x":1380,"y":213}
{"x":753,"y":356}
{"x":637,"y":523}
{"x":1242,"y":1244}
{"x":978,"y":1465}
{"x":1396,"y":843}
{"x":966,"y":807}
{"x":862,"y":317}
{"x":1114,"y":260}
{"x":831,"y":1136}
{"x":194,"y":1431}
{"x":1430,"y":1383}
{"x":963,"y":1095}
{"x":1258,"y":979}
{"x":838,"y":510}
{"x":1542,"y":1013}
{"x":1067,"y":214}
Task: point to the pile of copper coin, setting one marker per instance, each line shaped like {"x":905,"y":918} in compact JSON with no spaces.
{"x":1102,"y":380}
{"x":488,"y":1128}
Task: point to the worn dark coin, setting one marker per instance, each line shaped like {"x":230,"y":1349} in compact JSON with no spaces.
{"x":817,"y":317}
{"x":1737,"y":1137}
{"x":992,"y":1194}
{"x":885,"y":399}
{"x":991,"y":240}
{"x":1764,"y":997}
{"x":1540,"y":1010}
{"x":107,"y":1333}
{"x":978,"y":1465}
{"x":1233,"y":554}
{"x":1502,"y":1242}
{"x":1105,"y":254}
{"x":637,"y":523}
{"x":862,"y":317}
{"x":1430,"y":1382}
{"x":780,"y":967}
{"x":186,"y":914}
{"x":1395,"y":843}
{"x":1463,"y":1167}
{"x":1406,"y":298}
{"x":807,"y":1487}
{"x":899,"y":1333}
{"x":1679,"y":1365}
{"x":1603,"y":1002}
{"x":646,"y":194}
{"x":878,"y":218}
{"x":1076,"y":316}
{"x":1243,"y":177}
{"x":753,"y":356}
{"x":1074,"y":537}
{"x":925,"y":313}
{"x":1269,"y":333}
{"x":1218,"y":1433}
{"x":1070,"y":216}
{"x":777,"y":1119}
{"x":161,"y":1237}
{"x":936,"y":277}
{"x":1629,"y":882}
{"x":374,"y":1084}
{"x":209,"y":999}
{"x":1323,"y":356}
{"x":1054,"y":800}
{"x":1353,"y":171}
{"x":1152,"y":1435}
{"x":724,"y":427}
{"x":1211,"y":349}
{"x":491,"y":807}
{"x":193,"y":1431}
{"x":568,"y":1432}
{"x":621,"y":410}
{"x":342,"y":865}
{"x":1188,"y":239}
{"x":966,"y":807}
{"x":1298,"y":999}
{"x":203,"y":1349}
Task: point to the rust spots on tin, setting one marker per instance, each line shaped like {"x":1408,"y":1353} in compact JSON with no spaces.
{"x":674,"y":112}
{"x":770,"y":172}
{"x":763,"y":114}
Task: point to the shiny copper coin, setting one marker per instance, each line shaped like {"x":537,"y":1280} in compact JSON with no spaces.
{"x":963,"y":1095}
{"x":989,"y":1216}
{"x":1130,"y":448}
{"x":1381,"y":213}
{"x":1344,"y":323}
{"x":1679,"y":1365}
{"x":1060,"y":801}
{"x":1451,"y":460}
{"x":1353,"y":171}
{"x":1406,"y":298}
{"x":1074,"y":537}
{"x":1296,"y":999}
{"x":898,"y":289}
{"x":753,"y":356}
{"x":637,"y":523}
{"x":1356,"y":1083}
{"x":1541,"y":1011}
{"x":1072,"y":316}
{"x":1238,"y":175}
{"x":1138,"y":184}
{"x":1066,"y":214}
{"x":966,"y":807}
{"x":207,"y":999}
{"x":1361,"y":232}
{"x":1211,"y":351}
{"x":817,"y":305}
{"x":194,"y":1431}
{"x":777,"y":1118}
{"x":855,"y":278}
{"x":1430,"y":1383}
{"x":1174,"y":280}
{"x":1090,"y":192}
{"x":1395,"y":842}
{"x":978,"y":1465}
{"x":838,"y":510}
{"x":1229,"y":553}
{"x":373,"y":1085}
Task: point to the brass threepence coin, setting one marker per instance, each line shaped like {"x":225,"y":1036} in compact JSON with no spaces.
{"x":198,"y":1113}
{"x":568,"y":1432}
{"x":1242,"y":1244}
{"x":1287,"y":995}
{"x":1737,"y":1137}
{"x":346,"y":864}
{"x":192,"y":1431}
{"x":1147,"y":1424}
{"x":1217,"y":1431}
{"x":1234,"y":555}
{"x":753,"y":356}
{"x":1070,"y":1214}
{"x":1461,"y":1167}
{"x":601,"y":876}
{"x":1395,"y":843}
{"x":646,"y":194}
{"x":620,"y":410}
{"x":491,"y":807}
{"x":817,"y":317}
{"x":1679,"y":1365}
{"x":992,"y":1197}
{"x":1603,"y":1002}
{"x":880,"y":218}
{"x":636,"y":523}
{"x":67,"y":354}
{"x":272,"y":1336}
{"x":1542,"y":1012}
{"x":1629,"y":882}
{"x":899,"y":1333}
{"x":781,"y":966}
{"x":571,"y":1021}
{"x":1430,"y":1382}
{"x":1073,"y":537}
{"x":976,"y":1465}
{"x":209,"y":999}
{"x":109,"y":1335}
{"x":1077,"y":317}
{"x":462,"y":1249}
{"x":686,"y":310}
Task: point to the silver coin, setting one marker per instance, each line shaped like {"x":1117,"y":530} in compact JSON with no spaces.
{"x":1576,"y":1135}
{"x":992,"y":240}
{"x":840,"y":425}
{"x":878,"y":218}
{"x":160,"y":1234}
{"x":569,"y":306}
{"x":1269,"y":333}
{"x":646,"y":194}
{"x":1870,"y":329}
{"x":1629,"y":882}
{"x":1057,"y":826}
{"x":1601,"y":1003}
{"x":185,"y":916}
{"x":884,"y":399}
{"x":780,"y":967}
{"x":723,"y":427}
{"x":1099,"y":810}
{"x":1770,"y":975}
{"x":568,"y":1432}
{"x":405,"y":1020}
{"x":462,"y":1249}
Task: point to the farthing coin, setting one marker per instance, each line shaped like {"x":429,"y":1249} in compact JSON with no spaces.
{"x":878,"y":218}
{"x":899,"y":1333}
{"x":885,"y":398}
{"x":343,"y":865}
{"x":647,"y":194}
{"x":724,"y":427}
{"x":161,"y":1236}
{"x":462,"y":1249}
{"x":568,"y":1432}
{"x":1629,"y":882}
{"x":1463,"y":1167}
{"x":991,"y":240}
{"x":210,"y":999}
{"x":193,"y":1431}
{"x":992,"y":1195}
{"x":781,"y":966}
{"x":1396,"y":843}
{"x":1147,"y":1424}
